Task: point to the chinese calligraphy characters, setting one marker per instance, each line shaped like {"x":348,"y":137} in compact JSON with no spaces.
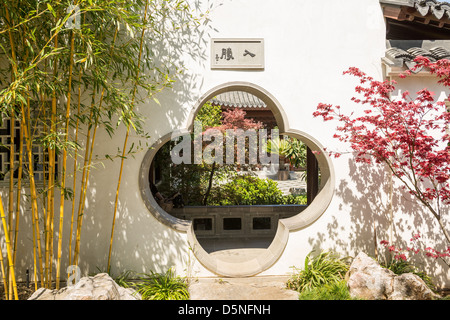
{"x":237,"y":53}
{"x":227,"y":54}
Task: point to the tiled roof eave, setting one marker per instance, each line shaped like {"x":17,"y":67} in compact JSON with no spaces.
{"x":431,"y":9}
{"x":238,"y":99}
{"x":400,"y":59}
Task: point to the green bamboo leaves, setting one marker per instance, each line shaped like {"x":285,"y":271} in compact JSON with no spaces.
{"x":65,"y":70}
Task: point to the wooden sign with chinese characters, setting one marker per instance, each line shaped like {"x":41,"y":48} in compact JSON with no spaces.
{"x":237,"y":54}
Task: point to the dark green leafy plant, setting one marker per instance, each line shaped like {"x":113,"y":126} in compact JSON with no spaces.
{"x":292,"y":149}
{"x":250,"y":190}
{"x":209,"y":116}
{"x":325,"y":268}
{"x":166,"y":286}
{"x":330,"y":291}
{"x":295,"y":199}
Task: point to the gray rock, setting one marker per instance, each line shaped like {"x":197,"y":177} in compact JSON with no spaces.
{"x":409,"y":286}
{"x":366,"y":279}
{"x":99,"y":287}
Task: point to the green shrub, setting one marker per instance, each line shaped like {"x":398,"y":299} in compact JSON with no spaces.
{"x":323,"y":269}
{"x":247,"y":190}
{"x":250,"y":190}
{"x":330,"y":291}
{"x":295,"y":199}
{"x":164,"y":286}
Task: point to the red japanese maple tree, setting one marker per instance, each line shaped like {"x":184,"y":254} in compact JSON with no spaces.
{"x":411,"y":136}
{"x":233,"y":119}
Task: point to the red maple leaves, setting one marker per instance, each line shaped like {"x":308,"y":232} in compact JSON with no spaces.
{"x":411,"y":136}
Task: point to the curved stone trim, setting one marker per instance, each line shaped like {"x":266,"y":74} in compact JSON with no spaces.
{"x":242,"y":269}
{"x":323,"y":199}
{"x":300,"y":221}
{"x":251,"y":88}
{"x":146,"y":194}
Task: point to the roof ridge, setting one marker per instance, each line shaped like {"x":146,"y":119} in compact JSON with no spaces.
{"x":238,"y":99}
{"x":437,"y":8}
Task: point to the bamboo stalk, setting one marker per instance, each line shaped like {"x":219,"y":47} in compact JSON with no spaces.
{"x":27,"y":133}
{"x":126,"y":140}
{"x":45,"y":180}
{"x":12,"y":120}
{"x":75,"y":160}
{"x":20,"y":167}
{"x":33,"y":220}
{"x":51,"y":178}
{"x":34,"y":206}
{"x":19,"y":193}
{"x":75,"y":169}
{"x":11,"y":40}
{"x":87,"y":166}
{"x":82,"y":187}
{"x":8,"y":250}
{"x":64,"y":161}
{"x":51,"y":194}
{"x":11,"y":159}
{"x":5,"y":282}
{"x":84,"y":182}
{"x":45,"y":188}
{"x":24,"y":135}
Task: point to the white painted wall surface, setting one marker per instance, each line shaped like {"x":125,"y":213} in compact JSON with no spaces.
{"x":308,"y":44}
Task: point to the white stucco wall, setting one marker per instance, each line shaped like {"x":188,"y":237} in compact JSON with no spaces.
{"x":307,"y":47}
{"x":308,"y":44}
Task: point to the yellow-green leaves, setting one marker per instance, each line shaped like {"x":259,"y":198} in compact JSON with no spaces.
{"x":50,"y":8}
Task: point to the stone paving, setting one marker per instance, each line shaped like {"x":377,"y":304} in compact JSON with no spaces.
{"x":252,"y":288}
{"x":285,"y":186}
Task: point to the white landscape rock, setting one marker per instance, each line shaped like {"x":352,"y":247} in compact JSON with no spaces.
{"x":366,"y":279}
{"x":98,"y":287}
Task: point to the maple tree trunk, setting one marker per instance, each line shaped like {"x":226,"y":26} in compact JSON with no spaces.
{"x":205,"y":199}
{"x":447,"y":236}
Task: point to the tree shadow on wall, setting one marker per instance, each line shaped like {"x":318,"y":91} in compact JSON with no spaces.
{"x":180,"y":53}
{"x":372,"y":202}
{"x":140,"y":241}
{"x":365,"y":198}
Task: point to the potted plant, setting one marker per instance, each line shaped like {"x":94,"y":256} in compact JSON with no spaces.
{"x":291,"y":151}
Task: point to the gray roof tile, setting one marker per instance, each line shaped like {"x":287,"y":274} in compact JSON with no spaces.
{"x":239,"y":99}
{"x":439,"y":9}
{"x":396,"y":56}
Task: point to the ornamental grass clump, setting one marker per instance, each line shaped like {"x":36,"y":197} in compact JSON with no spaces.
{"x":323,"y":269}
{"x":165,"y":286}
{"x":331,"y":291}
